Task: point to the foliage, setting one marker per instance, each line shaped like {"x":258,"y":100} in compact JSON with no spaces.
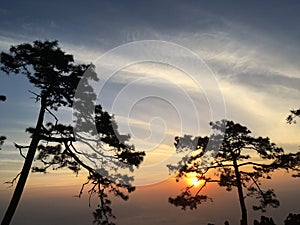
{"x":48,"y":68}
{"x":2,"y":98}
{"x":292,"y":117}
{"x":292,"y":219}
{"x":264,"y":221}
{"x":2,"y":139}
{"x":234,"y":166}
{"x":55,"y":77}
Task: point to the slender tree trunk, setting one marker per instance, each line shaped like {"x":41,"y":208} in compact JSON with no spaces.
{"x":26,"y":168}
{"x":244,"y":220}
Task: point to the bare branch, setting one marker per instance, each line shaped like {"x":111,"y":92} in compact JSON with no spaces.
{"x":13,"y":180}
{"x":55,"y":139}
{"x":20,"y":147}
{"x":82,"y":188}
{"x":256,"y":184}
{"x":37,"y":98}
{"x":56,"y":119}
{"x":74,"y":156}
{"x":203,"y":185}
{"x":254,"y":164}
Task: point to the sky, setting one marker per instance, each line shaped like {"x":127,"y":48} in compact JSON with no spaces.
{"x":166,"y":68}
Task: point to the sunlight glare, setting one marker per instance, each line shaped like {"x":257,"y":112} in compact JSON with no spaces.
{"x":194,"y":181}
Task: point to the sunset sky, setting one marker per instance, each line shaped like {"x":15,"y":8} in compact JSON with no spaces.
{"x":166,"y":68}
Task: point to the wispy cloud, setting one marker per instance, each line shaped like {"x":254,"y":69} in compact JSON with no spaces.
{"x":251,"y":68}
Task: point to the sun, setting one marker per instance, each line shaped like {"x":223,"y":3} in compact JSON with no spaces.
{"x":195,"y":181}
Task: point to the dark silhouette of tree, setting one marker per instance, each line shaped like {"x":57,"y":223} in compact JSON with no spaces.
{"x":55,"y":77}
{"x":2,"y":98}
{"x":292,"y":219}
{"x":225,"y":223}
{"x":234,"y":166}
{"x":291,"y":118}
{"x":2,"y":138}
{"x":264,"y":221}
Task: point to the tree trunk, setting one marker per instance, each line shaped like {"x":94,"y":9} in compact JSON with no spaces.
{"x":26,"y":168}
{"x":244,"y":220}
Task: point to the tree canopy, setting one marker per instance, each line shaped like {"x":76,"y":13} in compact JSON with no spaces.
{"x":55,"y":77}
{"x":234,"y":166}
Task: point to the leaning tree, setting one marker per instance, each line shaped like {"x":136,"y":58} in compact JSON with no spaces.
{"x":55,"y":77}
{"x":234,"y":165}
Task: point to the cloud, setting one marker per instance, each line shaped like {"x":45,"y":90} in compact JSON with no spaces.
{"x":267,"y":82}
{"x":262,"y":112}
{"x":6,"y":42}
{"x":258,"y":77}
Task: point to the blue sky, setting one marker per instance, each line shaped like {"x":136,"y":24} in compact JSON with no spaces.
{"x":251,"y":49}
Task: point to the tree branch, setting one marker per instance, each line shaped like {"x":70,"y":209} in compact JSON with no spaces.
{"x":13,"y":180}
{"x":37,"y":98}
{"x":255,"y":182}
{"x":56,"y":119}
{"x":254,"y":164}
{"x":55,"y":139}
{"x":82,"y":188}
{"x":74,"y":156}
{"x":20,"y":149}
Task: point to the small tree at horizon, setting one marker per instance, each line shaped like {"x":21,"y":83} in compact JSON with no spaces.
{"x":233,"y":166}
{"x":55,"y":77}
